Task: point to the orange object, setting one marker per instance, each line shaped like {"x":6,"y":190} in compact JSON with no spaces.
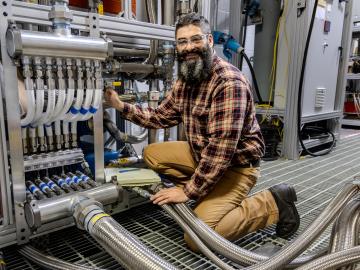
{"x":112,"y":6}
{"x":115,"y":6}
{"x":79,"y":3}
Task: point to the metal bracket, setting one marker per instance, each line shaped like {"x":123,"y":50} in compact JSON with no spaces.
{"x":301,"y":4}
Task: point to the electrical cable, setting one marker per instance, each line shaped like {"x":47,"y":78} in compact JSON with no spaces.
{"x":244,"y":35}
{"x":253,"y":76}
{"x":301,"y":84}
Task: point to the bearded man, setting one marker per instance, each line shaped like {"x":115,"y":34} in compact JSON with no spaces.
{"x":219,"y":163}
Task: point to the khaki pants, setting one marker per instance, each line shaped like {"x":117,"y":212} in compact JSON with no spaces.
{"x":226,"y":209}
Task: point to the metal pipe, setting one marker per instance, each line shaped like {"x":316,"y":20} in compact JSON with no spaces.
{"x":49,"y":262}
{"x":334,"y":260}
{"x":23,"y":42}
{"x":121,"y":244}
{"x":345,"y":231}
{"x":47,"y":210}
{"x":288,"y":253}
{"x":296,"y":247}
{"x":168,"y":12}
{"x":135,"y":68}
{"x":130,"y":52}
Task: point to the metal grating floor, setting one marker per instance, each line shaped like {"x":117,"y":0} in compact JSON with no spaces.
{"x":316,"y":181}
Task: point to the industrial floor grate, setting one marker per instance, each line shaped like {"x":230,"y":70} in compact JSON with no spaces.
{"x":316,"y":181}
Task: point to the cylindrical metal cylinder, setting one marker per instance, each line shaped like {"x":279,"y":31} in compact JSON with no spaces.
{"x":22,"y":42}
{"x":47,"y":210}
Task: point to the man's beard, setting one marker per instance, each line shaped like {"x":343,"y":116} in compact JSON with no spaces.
{"x":195,"y":70}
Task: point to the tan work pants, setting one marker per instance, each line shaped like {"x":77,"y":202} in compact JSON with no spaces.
{"x":226,"y":209}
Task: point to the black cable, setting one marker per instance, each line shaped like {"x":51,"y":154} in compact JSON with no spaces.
{"x":253,"y":76}
{"x":244,"y":36}
{"x":301,"y":83}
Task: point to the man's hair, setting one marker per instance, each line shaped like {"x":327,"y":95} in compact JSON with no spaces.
{"x":194,"y":19}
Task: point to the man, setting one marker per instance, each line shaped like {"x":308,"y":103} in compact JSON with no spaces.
{"x":219,"y":163}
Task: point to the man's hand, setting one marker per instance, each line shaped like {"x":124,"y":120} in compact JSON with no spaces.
{"x":169,"y":195}
{"x":112,"y":99}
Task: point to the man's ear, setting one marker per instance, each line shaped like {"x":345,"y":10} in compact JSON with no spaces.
{"x":211,"y":40}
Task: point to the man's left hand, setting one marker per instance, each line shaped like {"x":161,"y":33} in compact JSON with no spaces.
{"x":169,"y":195}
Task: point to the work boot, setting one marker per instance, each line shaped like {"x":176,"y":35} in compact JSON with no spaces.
{"x":289,"y":219}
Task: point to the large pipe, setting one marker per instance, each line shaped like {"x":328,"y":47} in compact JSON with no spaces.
{"x":23,"y":42}
{"x":334,"y":260}
{"x":296,"y":247}
{"x":51,"y":209}
{"x":288,"y":253}
{"x":135,"y":68}
{"x":130,"y":52}
{"x":121,"y":244}
{"x":49,"y":262}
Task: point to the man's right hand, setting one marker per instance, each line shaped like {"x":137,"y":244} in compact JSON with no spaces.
{"x":112,"y":99}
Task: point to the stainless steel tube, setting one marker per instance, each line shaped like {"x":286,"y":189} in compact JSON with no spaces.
{"x":47,"y":210}
{"x":245,"y":257}
{"x":202,"y":247}
{"x":296,"y":247}
{"x":334,"y":260}
{"x":120,"y":243}
{"x":130,"y":52}
{"x":49,"y":262}
{"x":135,"y":68}
{"x":23,"y":42}
{"x":345,"y":230}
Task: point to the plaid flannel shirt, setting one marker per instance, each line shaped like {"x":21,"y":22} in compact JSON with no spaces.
{"x":219,"y":120}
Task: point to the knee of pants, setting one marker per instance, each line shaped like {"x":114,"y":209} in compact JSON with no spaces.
{"x":148,"y":157}
{"x":191,"y":244}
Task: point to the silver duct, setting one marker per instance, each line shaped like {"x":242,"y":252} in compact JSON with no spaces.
{"x":287,"y":254}
{"x":49,"y":262}
{"x":117,"y":241}
{"x":293,"y":249}
{"x":44,"y":211}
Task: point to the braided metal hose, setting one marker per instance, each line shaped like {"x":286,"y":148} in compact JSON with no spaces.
{"x":346,"y":229}
{"x":204,"y":249}
{"x":293,"y":249}
{"x":287,"y":254}
{"x":125,"y":247}
{"x":334,"y":260}
{"x":49,"y":262}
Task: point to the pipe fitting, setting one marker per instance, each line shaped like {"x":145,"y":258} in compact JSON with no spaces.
{"x":83,"y":211}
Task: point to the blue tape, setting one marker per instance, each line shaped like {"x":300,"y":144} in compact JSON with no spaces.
{"x":61,"y":182}
{"x":51,"y":184}
{"x":92,"y":110}
{"x":33,"y":188}
{"x":76,"y":179}
{"x":74,"y":110}
{"x":83,"y":111}
{"x":69,"y":181}
{"x":84,"y":177}
{"x":43,"y":186}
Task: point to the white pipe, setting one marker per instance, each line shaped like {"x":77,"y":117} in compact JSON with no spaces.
{"x":57,"y":128}
{"x":69,"y":101}
{"x":89,"y":93}
{"x":60,"y":103}
{"x":49,"y":110}
{"x":74,"y":127}
{"x":65,"y":126}
{"x":75,"y":109}
{"x":49,"y":130}
{"x":95,"y":105}
{"x":39,"y":105}
{"x":40,"y":131}
{"x":30,"y":113}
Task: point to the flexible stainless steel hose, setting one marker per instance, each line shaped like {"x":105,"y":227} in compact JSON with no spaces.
{"x":125,"y":247}
{"x":346,"y":229}
{"x":293,"y":249}
{"x":334,"y":260}
{"x":204,"y":249}
{"x":245,"y":257}
{"x":49,"y":262}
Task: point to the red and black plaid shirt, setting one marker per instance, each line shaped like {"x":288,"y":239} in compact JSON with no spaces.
{"x":219,"y":120}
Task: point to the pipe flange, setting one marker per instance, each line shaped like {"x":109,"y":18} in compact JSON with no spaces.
{"x":32,"y":214}
{"x":83,"y":208}
{"x":61,"y":12}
